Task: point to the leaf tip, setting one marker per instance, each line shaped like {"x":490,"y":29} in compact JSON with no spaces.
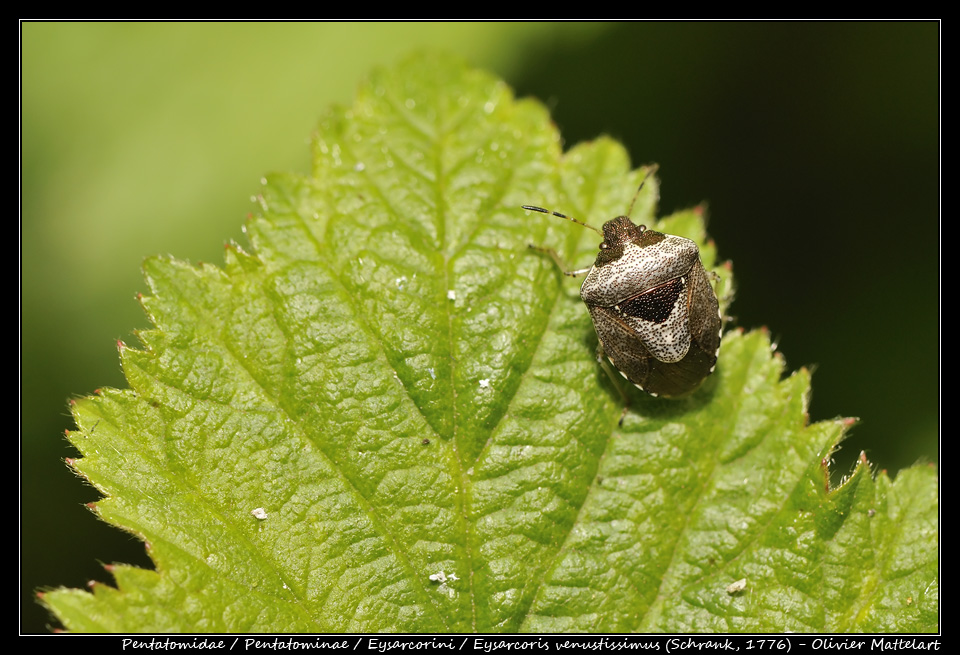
{"x":825,"y":471}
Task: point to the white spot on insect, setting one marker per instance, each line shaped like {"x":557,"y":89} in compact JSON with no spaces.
{"x":359,"y":166}
{"x":260,"y":514}
{"x":737,"y":587}
{"x":623,"y":375}
{"x":484,"y":383}
{"x":451,"y":294}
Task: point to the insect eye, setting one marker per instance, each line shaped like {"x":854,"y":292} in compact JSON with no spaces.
{"x":604,"y":245}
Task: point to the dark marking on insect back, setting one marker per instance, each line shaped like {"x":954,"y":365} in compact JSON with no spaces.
{"x":655,"y":305}
{"x":620,"y":231}
{"x":650,"y":238}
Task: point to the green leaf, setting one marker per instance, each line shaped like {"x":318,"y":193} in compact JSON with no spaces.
{"x":389,"y":417}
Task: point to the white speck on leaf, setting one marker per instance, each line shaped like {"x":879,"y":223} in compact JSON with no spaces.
{"x":259,"y":513}
{"x":443,"y":578}
{"x":737,"y":587}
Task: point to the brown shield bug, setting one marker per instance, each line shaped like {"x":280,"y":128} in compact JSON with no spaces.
{"x":654,"y":309}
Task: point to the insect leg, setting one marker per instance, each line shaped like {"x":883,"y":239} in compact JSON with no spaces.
{"x":559,"y":262}
{"x":602,"y":358}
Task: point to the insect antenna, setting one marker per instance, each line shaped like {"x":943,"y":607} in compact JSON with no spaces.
{"x":559,"y":215}
{"x":553,"y":253}
{"x":651,"y":169}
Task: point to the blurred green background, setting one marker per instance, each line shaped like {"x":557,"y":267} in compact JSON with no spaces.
{"x":816,"y":146}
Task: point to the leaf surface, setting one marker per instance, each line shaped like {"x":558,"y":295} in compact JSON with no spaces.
{"x":388,"y":417}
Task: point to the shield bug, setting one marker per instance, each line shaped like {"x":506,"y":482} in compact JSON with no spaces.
{"x":654,"y":309}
